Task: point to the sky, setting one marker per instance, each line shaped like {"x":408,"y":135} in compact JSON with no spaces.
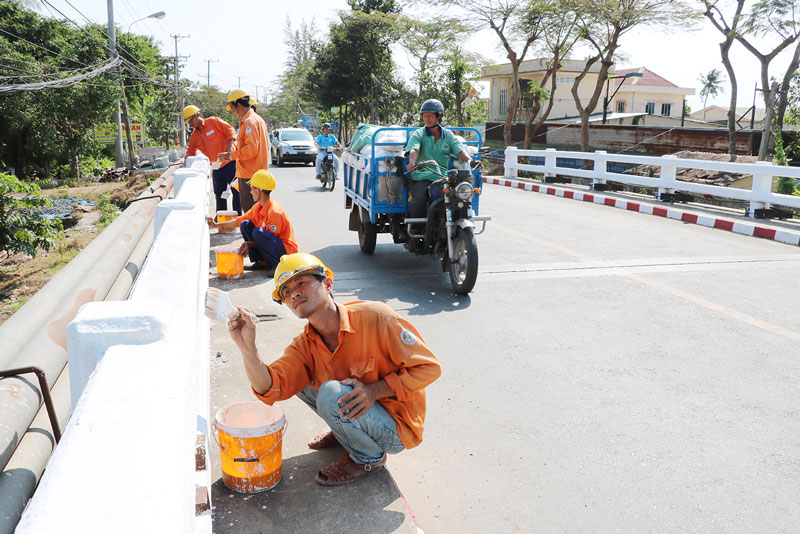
{"x":247,"y":50}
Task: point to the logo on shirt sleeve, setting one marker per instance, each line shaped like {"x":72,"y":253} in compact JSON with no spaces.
{"x":249,"y":130}
{"x":273,"y":228}
{"x":408,"y":337}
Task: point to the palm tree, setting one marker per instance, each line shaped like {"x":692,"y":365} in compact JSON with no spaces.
{"x":711,"y":86}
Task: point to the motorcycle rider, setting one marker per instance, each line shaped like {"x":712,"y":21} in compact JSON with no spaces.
{"x":431,"y":142}
{"x":323,"y":141}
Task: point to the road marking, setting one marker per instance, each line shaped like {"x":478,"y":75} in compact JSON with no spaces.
{"x":746,"y":261}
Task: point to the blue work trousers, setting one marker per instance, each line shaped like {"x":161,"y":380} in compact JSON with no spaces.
{"x":368,"y":438}
{"x":269,"y":248}
{"x":220,"y":178}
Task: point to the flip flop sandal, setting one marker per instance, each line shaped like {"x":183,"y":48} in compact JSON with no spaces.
{"x":326,"y":440}
{"x":336,"y":475}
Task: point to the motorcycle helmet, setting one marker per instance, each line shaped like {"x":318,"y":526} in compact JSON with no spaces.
{"x":433,"y":106}
{"x":326,"y":125}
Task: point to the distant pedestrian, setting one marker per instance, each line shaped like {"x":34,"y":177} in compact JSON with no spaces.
{"x":211,"y":136}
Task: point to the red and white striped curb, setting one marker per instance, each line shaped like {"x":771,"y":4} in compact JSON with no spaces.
{"x":784,"y":236}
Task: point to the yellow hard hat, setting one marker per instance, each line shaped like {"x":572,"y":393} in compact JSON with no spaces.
{"x":253,"y":101}
{"x":291,"y":265}
{"x":190,"y":111}
{"x":263,"y":179}
{"x":235,"y":95}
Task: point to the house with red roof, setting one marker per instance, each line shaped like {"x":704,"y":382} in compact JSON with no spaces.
{"x":636,"y":96}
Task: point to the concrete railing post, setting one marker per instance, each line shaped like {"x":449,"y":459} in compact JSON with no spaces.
{"x":600,"y":167}
{"x":99,"y":325}
{"x":668,"y":181}
{"x":511,"y":153}
{"x":762,"y":189}
{"x":550,"y":163}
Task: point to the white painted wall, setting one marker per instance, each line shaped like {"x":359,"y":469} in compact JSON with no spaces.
{"x":140,"y":377}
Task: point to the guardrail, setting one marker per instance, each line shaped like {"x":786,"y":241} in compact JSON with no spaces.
{"x":760,"y":197}
{"x":134,"y":456}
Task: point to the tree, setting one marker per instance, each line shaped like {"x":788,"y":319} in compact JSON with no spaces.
{"x":774,"y":18}
{"x":508,"y":20}
{"x":602,"y":23}
{"x":22,"y":229}
{"x":710,"y":85}
{"x":425,"y":41}
{"x":729,"y":30}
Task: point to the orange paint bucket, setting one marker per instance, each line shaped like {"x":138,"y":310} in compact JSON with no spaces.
{"x":225,"y":216}
{"x":230,"y":264}
{"x":250,"y":435}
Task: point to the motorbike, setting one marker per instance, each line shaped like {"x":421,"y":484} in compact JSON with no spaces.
{"x":327,"y":175}
{"x":449,"y":226}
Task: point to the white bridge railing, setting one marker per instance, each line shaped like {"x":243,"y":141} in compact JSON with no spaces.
{"x":134,"y":456}
{"x":759,"y":197}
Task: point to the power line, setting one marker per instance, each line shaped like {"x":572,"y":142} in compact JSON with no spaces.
{"x":64,"y":82}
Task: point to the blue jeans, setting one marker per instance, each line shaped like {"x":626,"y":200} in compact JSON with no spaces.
{"x":269,"y":248}
{"x":320,"y":156}
{"x":220,"y":178}
{"x":368,"y":438}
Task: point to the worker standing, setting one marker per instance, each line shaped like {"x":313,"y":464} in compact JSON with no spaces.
{"x":252,"y":145}
{"x":211,"y":136}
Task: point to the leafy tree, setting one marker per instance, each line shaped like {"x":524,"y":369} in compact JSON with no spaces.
{"x":602,"y":24}
{"x":212,"y":102}
{"x":711,"y":85}
{"x":22,"y":229}
{"x":424,"y":41}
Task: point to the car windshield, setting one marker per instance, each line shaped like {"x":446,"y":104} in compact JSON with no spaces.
{"x":296,"y":135}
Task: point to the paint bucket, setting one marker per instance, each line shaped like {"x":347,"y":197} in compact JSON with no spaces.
{"x":230,"y":264}
{"x":225,"y":216}
{"x":249,"y":435}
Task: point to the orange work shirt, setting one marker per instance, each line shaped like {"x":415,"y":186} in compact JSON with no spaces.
{"x":375,"y":343}
{"x":211,"y":138}
{"x":252,"y":146}
{"x":272,"y":218}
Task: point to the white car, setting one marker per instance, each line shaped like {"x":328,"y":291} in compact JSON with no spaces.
{"x":292,"y":144}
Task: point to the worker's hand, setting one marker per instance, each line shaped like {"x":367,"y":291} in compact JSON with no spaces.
{"x":244,"y":248}
{"x":411,"y":166}
{"x":357,"y":402}
{"x":211,"y":222}
{"x":224,"y":156}
{"x":242,"y":328}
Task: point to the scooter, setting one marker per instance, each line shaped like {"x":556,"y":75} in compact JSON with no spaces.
{"x":327,"y":173}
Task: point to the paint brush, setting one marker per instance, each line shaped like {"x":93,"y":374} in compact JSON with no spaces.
{"x":220,"y":308}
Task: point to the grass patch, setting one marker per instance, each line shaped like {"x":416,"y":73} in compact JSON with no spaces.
{"x":108,"y":210}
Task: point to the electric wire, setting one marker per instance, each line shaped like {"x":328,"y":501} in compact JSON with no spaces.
{"x":64,"y":82}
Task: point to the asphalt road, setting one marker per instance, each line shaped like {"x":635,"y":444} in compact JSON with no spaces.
{"x":610,"y":372}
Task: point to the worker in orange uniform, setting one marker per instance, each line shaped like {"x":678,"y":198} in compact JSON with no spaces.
{"x":252,"y":145}
{"x":211,"y":136}
{"x":360,"y":366}
{"x":265,"y":227}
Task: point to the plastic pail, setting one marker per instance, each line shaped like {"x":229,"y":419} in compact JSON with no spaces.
{"x":225,"y":216}
{"x":230,"y":264}
{"x":249,"y":436}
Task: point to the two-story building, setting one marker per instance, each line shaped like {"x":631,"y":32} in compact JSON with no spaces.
{"x":643,"y":97}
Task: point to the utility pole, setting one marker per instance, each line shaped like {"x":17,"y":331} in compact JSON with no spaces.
{"x":112,"y":45}
{"x":208,"y":77}
{"x":265,"y":93}
{"x":179,"y":93}
{"x":240,"y":81}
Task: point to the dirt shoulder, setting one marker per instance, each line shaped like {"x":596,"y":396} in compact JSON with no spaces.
{"x":21,"y":276}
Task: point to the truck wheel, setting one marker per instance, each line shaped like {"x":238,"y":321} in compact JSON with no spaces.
{"x":367,"y":234}
{"x":464,"y":270}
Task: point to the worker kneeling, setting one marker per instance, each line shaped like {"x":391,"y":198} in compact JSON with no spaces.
{"x":360,"y":366}
{"x":266,"y":228}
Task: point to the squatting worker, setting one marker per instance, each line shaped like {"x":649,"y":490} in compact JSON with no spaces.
{"x":431,"y":142}
{"x":211,"y":136}
{"x":266,"y":229}
{"x":252,"y":146}
{"x":360,"y":366}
